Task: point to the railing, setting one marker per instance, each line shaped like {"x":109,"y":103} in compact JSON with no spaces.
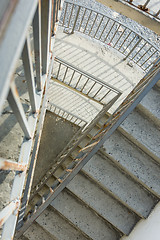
{"x":107,"y":30}
{"x":85,"y":154}
{"x":83,"y":82}
{"x":16,"y":41}
{"x":59,"y":111}
{"x":144,"y":7}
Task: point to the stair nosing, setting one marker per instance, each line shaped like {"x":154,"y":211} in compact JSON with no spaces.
{"x":118,"y":231}
{"x":54,"y":238}
{"x":70,"y":223}
{"x":148,"y":114}
{"x":126,"y":171}
{"x":138,"y":144}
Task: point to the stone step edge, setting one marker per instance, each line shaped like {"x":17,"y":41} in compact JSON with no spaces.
{"x":139,"y":145}
{"x":103,"y":154}
{"x":79,"y":199}
{"x":134,"y":141}
{"x":148,"y":114}
{"x":69,"y":222}
{"x":107,"y":191}
{"x":45,"y":230}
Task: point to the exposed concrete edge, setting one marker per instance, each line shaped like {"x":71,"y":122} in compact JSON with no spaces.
{"x":69,"y":222}
{"x":78,"y":198}
{"x":144,"y":111}
{"x":139,"y":145}
{"x":107,"y":191}
{"x":125,"y":170}
{"x":46,"y":231}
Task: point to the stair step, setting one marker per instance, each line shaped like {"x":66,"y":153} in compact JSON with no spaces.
{"x":151,"y":103}
{"x":144,"y":130}
{"x":35,"y":231}
{"x":59,"y":226}
{"x":23,"y":238}
{"x":134,"y":160}
{"x":83,"y":217}
{"x":113,"y":211}
{"x":121,"y":185}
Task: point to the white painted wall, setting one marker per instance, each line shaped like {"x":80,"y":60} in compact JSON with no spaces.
{"x":148,"y":229}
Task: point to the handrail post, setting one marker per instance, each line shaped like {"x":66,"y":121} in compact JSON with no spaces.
{"x":133,"y":49}
{"x":75,"y":21}
{"x":45,"y":33}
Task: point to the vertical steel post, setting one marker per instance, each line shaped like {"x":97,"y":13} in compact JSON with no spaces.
{"x":15,"y":104}
{"x":37,"y":45}
{"x":28,"y":69}
{"x":75,"y":21}
{"x":45,"y":33}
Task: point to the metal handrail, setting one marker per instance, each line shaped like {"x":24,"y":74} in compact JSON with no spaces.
{"x":103,"y":90}
{"x":116,"y":35}
{"x":144,"y":8}
{"x":16,"y":42}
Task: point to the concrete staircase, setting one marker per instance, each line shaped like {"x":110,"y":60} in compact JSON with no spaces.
{"x":115,"y":189}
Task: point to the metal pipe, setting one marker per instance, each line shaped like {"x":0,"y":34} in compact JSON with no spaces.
{"x":10,"y":165}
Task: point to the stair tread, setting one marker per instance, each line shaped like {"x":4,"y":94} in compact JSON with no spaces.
{"x":117,"y":214}
{"x":83,"y":217}
{"x":120,"y":184}
{"x":143,"y":130}
{"x":151,"y":102}
{"x":134,"y":160}
{"x":54,"y":223}
{"x":35,"y":231}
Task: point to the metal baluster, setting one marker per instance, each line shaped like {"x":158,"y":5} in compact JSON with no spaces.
{"x":109,"y":32}
{"x":37,"y":45}
{"x":144,"y":54}
{"x":91,"y":88}
{"x":145,"y":5}
{"x":119,"y":37}
{"x":133,"y":48}
{"x":71,"y":78}
{"x":45,"y":33}
{"x":93,"y":23}
{"x":28,"y":69}
{"x":139,"y":50}
{"x":147,"y":60}
{"x":114,"y":33}
{"x":75,"y":21}
{"x":125,"y":40}
{"x":82,"y":20}
{"x":78,"y":80}
{"x":105,"y":95}
{"x":15,"y":104}
{"x":54,"y":16}
{"x":157,"y":13}
{"x":104,"y":28}
{"x":65,"y":74}
{"x":87,"y":21}
{"x":98,"y":27}
{"x":58,"y":70}
{"x":84,"y":85}
{"x":65,"y":14}
{"x":70,"y":16}
{"x":97,"y":91}
{"x":130,"y":43}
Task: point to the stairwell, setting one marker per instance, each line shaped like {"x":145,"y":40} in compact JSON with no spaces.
{"x":116,"y":189}
{"x":81,"y":188}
